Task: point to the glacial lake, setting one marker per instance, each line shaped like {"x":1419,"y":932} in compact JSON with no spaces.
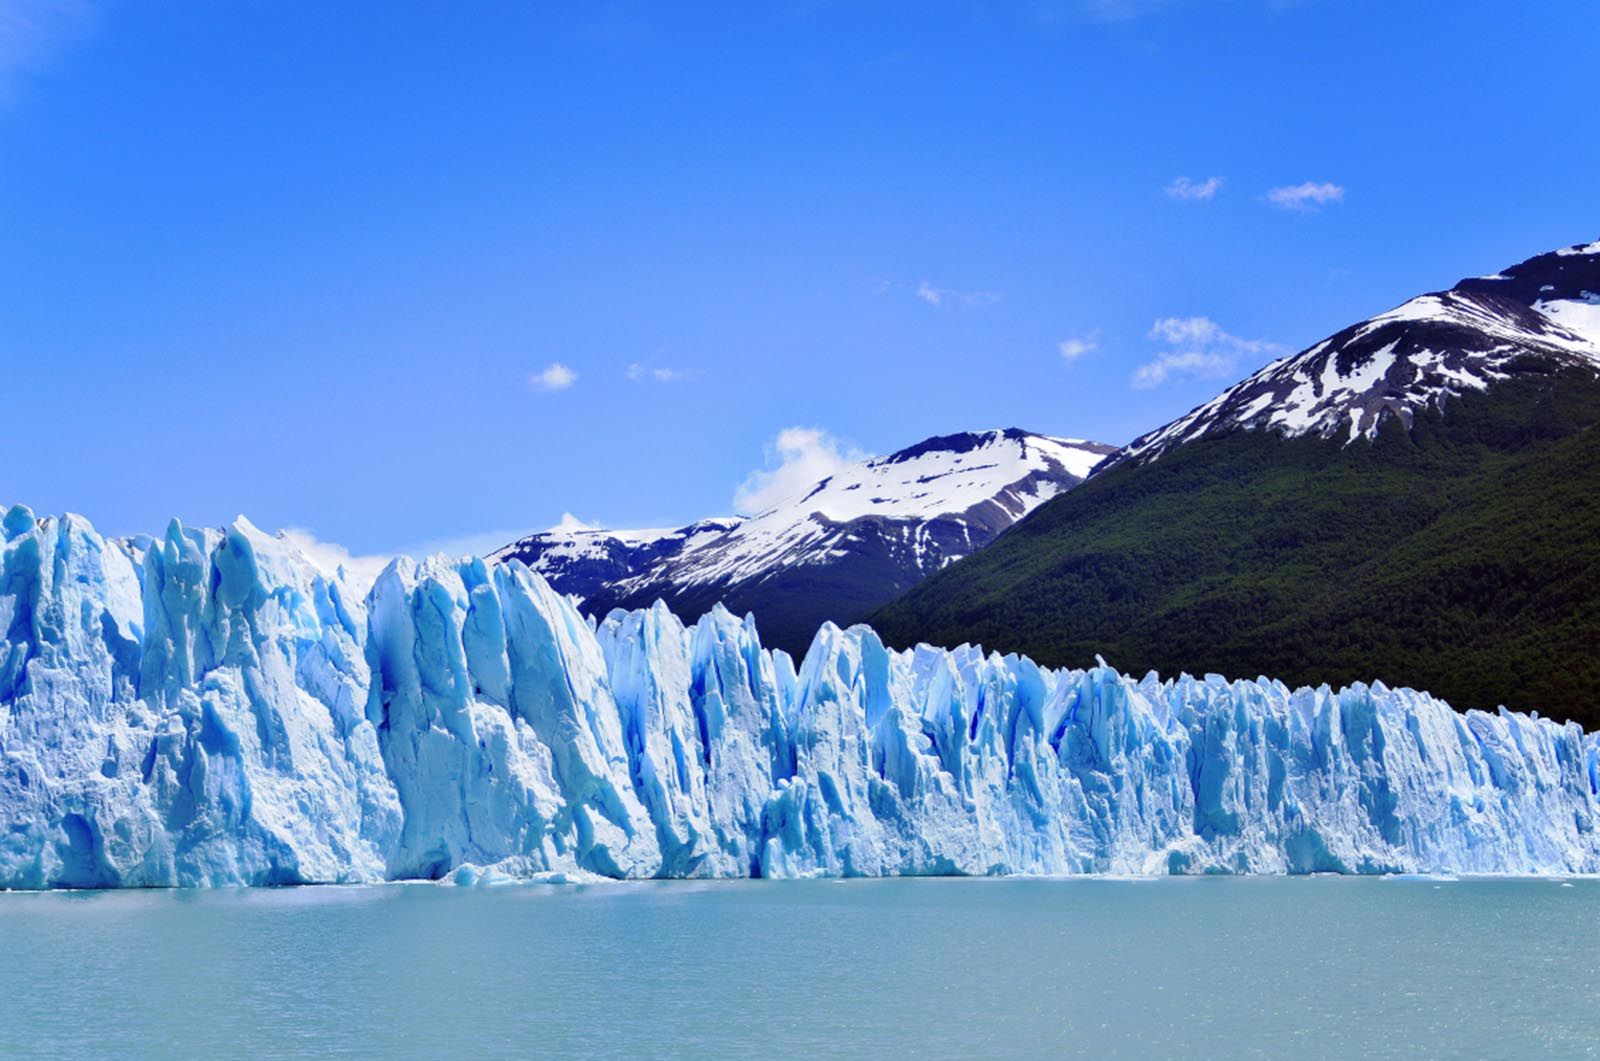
{"x":919,"y":968}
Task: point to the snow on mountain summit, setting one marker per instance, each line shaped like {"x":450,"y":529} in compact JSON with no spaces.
{"x":837,"y":548}
{"x":946,"y":475}
{"x":986,"y":481}
{"x":1415,"y":356}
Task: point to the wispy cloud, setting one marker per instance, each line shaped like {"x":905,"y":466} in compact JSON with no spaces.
{"x":1053,"y":14}
{"x":798,"y":459}
{"x":1189,"y":191}
{"x":1078,"y":345}
{"x":472,"y":543}
{"x":33,"y":33}
{"x":361,"y":571}
{"x":570,"y":523}
{"x":1118,"y":10}
{"x":1311,"y":195}
{"x":938,"y":297}
{"x":555,"y":377}
{"x":642,"y":372}
{"x":949,"y":296}
{"x":328,"y":557}
{"x":1195,"y":347}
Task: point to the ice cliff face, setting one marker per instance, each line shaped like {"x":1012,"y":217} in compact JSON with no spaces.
{"x":207,"y":708}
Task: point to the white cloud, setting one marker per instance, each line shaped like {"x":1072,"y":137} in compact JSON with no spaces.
{"x":1075,"y":347}
{"x":798,"y":459}
{"x":556,"y":377}
{"x":949,"y":296}
{"x":1308,"y":196}
{"x":640,"y":372}
{"x":473,"y":543}
{"x":569,"y":523}
{"x":1176,"y":330}
{"x":362,"y":571}
{"x":328,"y":557}
{"x":1059,"y":12}
{"x":1186,"y":362}
{"x":33,"y":33}
{"x":1195,"y":347}
{"x":1194,"y":191}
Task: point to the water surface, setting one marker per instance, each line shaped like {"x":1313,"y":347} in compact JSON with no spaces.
{"x":929,"y":968}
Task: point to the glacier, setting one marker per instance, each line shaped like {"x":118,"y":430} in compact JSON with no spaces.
{"x":210,"y":707}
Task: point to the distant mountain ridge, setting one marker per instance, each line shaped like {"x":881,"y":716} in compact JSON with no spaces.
{"x":1414,"y":499}
{"x":842,"y":547}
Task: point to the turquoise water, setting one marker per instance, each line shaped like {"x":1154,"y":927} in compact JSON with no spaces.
{"x":931,"y":968}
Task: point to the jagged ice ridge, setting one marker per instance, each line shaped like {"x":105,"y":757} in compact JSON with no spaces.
{"x":211,"y":708}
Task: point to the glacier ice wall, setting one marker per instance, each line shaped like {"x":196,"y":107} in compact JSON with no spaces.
{"x":210,"y":708}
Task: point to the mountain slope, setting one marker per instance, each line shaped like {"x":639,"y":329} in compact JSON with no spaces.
{"x":846,"y":545}
{"x":1485,"y":330}
{"x":1450,"y":543}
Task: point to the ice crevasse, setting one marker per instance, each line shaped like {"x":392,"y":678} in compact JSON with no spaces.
{"x":211,"y":708}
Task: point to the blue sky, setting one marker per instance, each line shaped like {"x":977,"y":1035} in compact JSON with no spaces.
{"x":417,"y":273}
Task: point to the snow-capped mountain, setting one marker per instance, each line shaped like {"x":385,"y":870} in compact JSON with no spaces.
{"x":841,"y":547}
{"x":582,"y":560}
{"x":1415,"y":498}
{"x":1420,"y":354}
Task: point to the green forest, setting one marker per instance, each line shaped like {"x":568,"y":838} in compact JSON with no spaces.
{"x":1460,"y":555}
